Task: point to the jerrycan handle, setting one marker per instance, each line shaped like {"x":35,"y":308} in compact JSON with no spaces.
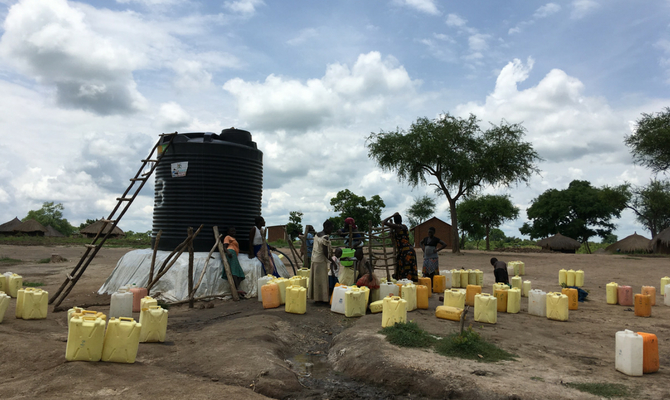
{"x":153,"y":307}
{"x":126,"y":319}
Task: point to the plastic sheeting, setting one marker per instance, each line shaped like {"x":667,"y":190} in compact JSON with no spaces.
{"x":134,"y":267}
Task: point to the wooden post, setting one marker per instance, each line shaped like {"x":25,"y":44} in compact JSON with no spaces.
{"x":209,"y":256}
{"x":465,"y":311}
{"x":304,"y":255}
{"x":153,"y":257}
{"x":372,"y":261}
{"x":226,"y":266}
{"x":190,"y":269}
{"x":182,"y":247}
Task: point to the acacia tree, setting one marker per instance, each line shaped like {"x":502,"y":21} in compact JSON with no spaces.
{"x":580,"y":211}
{"x":362,"y":210}
{"x":294,"y":226}
{"x":457,"y":154}
{"x":650,"y":141}
{"x":422,"y":208}
{"x":488,"y":211}
{"x":51,"y":214}
{"x":651,"y":205}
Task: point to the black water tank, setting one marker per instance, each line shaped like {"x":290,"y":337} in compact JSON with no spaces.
{"x":209,"y":179}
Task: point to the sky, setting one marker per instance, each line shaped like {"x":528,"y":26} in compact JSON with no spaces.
{"x":87,"y":87}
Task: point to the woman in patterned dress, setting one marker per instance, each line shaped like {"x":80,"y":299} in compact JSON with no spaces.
{"x":406,"y":256}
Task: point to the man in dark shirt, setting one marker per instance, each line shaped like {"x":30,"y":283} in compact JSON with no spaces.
{"x":500,"y":271}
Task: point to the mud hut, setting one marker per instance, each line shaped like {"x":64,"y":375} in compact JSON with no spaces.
{"x":8,"y":227}
{"x":93,"y":229}
{"x":560,"y":243}
{"x":52,"y":232}
{"x":442,"y":230}
{"x":630,"y":244}
{"x":31,"y":228}
{"x":660,"y":244}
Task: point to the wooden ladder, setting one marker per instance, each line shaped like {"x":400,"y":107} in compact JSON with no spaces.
{"x":123,"y":203}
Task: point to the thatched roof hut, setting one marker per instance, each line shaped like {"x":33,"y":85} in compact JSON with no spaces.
{"x":52,"y":232}
{"x":93,"y":229}
{"x":661,"y":243}
{"x":630,"y":244}
{"x":560,"y":243}
{"x":8,"y":227}
{"x":30,"y":227}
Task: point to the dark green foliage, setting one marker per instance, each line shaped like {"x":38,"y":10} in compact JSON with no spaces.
{"x":579,"y":212}
{"x":608,"y":390}
{"x":87,"y":223}
{"x":51,"y":214}
{"x":650,"y":143}
{"x":651,"y":205}
{"x":33,"y":284}
{"x":457,"y":154}
{"x":486,"y":212}
{"x":421,"y":210}
{"x":362,"y":210}
{"x":609,"y":239}
{"x":294,"y":226}
{"x":8,"y":260}
{"x":471,"y":346}
{"x":44,"y":261}
{"x":407,"y":335}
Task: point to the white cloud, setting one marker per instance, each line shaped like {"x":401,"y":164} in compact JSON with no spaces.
{"x":244,"y":7}
{"x":424,"y":6}
{"x":581,"y":8}
{"x":479,"y":42}
{"x":172,"y":117}
{"x":303,"y":36}
{"x":281,"y":103}
{"x":547,"y":10}
{"x":455,"y":20}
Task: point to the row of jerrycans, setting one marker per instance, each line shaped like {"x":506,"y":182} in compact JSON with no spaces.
{"x":456,"y":278}
{"x":10,"y":283}
{"x":89,"y":341}
{"x":571,"y":277}
{"x":623,"y":295}
{"x":126,"y":301}
{"x":285,"y":291}
{"x":282,"y":284}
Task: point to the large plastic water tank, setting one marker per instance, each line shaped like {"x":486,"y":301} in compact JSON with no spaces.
{"x":209,"y":179}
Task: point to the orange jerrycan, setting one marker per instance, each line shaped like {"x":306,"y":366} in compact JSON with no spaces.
{"x":470,"y":292}
{"x":573,"y":298}
{"x":650,"y":360}
{"x":85,"y":338}
{"x":138,"y":294}
{"x":501,"y":295}
{"x":642,"y":305}
{"x":450,"y":313}
{"x":422,"y":297}
{"x":122,"y":340}
{"x":439,"y":283}
{"x":425,"y":282}
{"x":271,"y":296}
{"x":651,"y":291}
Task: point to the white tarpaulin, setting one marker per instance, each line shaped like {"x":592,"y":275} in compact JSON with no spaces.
{"x":134,"y":267}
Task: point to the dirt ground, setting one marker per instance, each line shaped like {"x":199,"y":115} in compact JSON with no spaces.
{"x":239,"y":350}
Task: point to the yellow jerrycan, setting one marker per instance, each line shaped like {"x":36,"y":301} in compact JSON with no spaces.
{"x":455,"y":279}
{"x":465,"y":278}
{"x":499,"y":286}
{"x":450,"y":313}
{"x":562,"y":277}
{"x":377,"y":306}
{"x":122,"y":340}
{"x":513,"y":301}
{"x":296,"y":299}
{"x":470,"y":293}
{"x":4,"y":303}
{"x":14,"y":283}
{"x":20,"y":294}
{"x":153,"y":321}
{"x":516,"y":282}
{"x":501,"y":295}
{"x":525,"y":288}
{"x":282,"y":284}
{"x":34,"y":304}
{"x":472,"y":277}
{"x":408,"y":293}
{"x":664,"y":281}
{"x":579,"y":278}
{"x":612,"y":289}
{"x":394,"y":311}
{"x":147,"y":301}
{"x":479,"y":277}
{"x":557,"y":306}
{"x":570,"y":277}
{"x":486,"y":308}
{"x":298,"y":281}
{"x":85,"y":339}
{"x":454,"y":298}
{"x":355,"y":304}
{"x":4,"y":284}
{"x":80,"y":312}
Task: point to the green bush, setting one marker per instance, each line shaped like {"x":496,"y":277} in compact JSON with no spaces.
{"x":471,"y":346}
{"x":407,"y":335}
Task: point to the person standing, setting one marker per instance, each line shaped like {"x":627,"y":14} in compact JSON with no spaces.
{"x":500,"y":271}
{"x":232,"y":250}
{"x":260,"y":249}
{"x":318,"y":274}
{"x":431,"y":245}
{"x":308,"y":245}
{"x":406,"y":257}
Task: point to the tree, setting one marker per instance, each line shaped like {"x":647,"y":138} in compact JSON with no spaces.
{"x":488,"y":212}
{"x":609,"y":239}
{"x":294,"y":226}
{"x":422,"y":208}
{"x":362,"y":210}
{"x":51,"y":214}
{"x":650,"y":141}
{"x":580,"y":211}
{"x":457,"y":154}
{"x":89,"y":222}
{"x":651,"y":205}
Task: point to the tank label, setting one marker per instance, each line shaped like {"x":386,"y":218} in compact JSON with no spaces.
{"x":179,"y":169}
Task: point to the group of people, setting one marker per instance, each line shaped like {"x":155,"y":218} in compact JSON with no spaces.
{"x":326,"y":270}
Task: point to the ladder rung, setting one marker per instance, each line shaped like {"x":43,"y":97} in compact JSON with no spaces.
{"x":91,"y":246}
{"x":148,"y":160}
{"x":137,"y":179}
{"x":124,"y":198}
{"x":147,"y":173}
{"x":108,"y":220}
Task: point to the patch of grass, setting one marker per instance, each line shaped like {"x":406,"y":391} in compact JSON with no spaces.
{"x":471,"y":346}
{"x":163,"y":305}
{"x":8,"y":260}
{"x":537,"y":378}
{"x":33,"y":284}
{"x":608,"y":390}
{"x":44,"y":261}
{"x":408,"y":335}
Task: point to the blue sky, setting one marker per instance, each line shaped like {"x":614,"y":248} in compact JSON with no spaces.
{"x":87,"y":87}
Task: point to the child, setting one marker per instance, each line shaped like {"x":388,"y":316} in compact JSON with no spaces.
{"x":334,"y":271}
